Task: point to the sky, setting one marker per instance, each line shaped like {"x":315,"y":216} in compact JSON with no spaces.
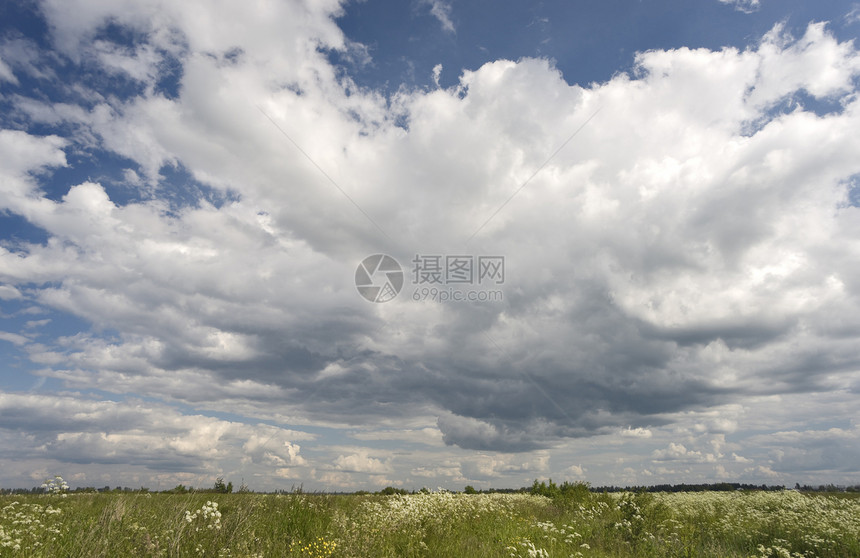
{"x":347,"y":244}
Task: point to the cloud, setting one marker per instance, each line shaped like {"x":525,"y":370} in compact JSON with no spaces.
{"x":485,"y":467}
{"x":435,"y":472}
{"x":13,"y":338}
{"x":6,"y":73}
{"x":812,"y":451}
{"x":24,"y":155}
{"x":679,"y":453}
{"x":23,"y":55}
{"x":687,"y":248}
{"x":9,"y":293}
{"x":437,"y":72}
{"x":361,"y":463}
{"x":740,"y":458}
{"x":83,"y":431}
{"x":749,"y":275}
{"x":441,"y":10}
{"x":576,"y":471}
{"x":674,"y":451}
{"x":426,"y":436}
{"x":635,"y":333}
{"x":745,"y":6}
{"x":636,"y":432}
{"x":853,"y":16}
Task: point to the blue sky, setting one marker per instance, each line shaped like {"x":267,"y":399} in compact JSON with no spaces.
{"x":187,"y":191}
{"x":589,"y":41}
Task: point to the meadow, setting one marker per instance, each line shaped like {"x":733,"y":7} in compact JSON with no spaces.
{"x":578,"y":523}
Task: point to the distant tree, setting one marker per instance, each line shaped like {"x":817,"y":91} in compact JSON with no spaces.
{"x":470,"y":489}
{"x":544,"y":488}
{"x":390,"y":491}
{"x":221,"y":487}
{"x":178,"y":489}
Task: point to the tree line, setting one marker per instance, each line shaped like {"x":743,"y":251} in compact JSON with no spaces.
{"x":543,"y":488}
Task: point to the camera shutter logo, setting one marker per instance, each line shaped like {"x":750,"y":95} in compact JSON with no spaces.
{"x":379,"y":278}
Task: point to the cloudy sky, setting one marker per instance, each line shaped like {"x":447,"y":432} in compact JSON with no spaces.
{"x":187,"y":190}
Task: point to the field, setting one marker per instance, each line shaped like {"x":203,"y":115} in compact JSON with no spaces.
{"x":718,"y":524}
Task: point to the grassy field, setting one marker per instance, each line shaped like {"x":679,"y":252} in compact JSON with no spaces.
{"x":719,"y":524}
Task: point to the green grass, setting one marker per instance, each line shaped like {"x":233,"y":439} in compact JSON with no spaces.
{"x":703,"y":524}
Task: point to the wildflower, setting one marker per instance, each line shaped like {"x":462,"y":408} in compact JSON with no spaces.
{"x":55,"y":485}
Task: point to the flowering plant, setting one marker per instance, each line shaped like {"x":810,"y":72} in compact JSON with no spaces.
{"x":56,"y":485}
{"x":210,"y":515}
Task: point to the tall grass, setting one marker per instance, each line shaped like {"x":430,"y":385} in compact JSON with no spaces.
{"x":574,"y":523}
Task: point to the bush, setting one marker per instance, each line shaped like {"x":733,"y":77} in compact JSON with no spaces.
{"x":575,"y":492}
